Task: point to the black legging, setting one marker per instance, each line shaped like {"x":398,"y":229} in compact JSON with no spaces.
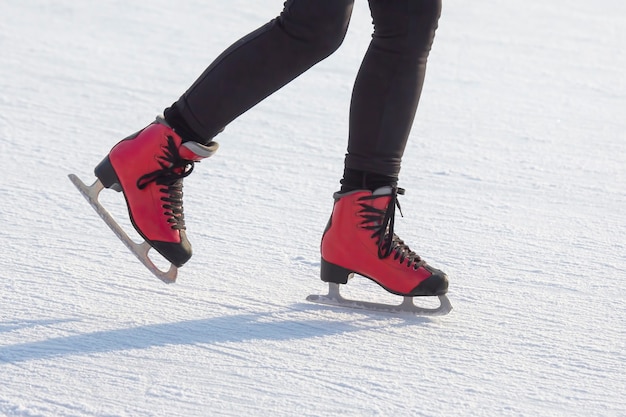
{"x":386,"y":91}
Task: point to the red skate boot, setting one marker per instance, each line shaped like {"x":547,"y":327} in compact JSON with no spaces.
{"x":149,"y":167}
{"x":360,"y":239}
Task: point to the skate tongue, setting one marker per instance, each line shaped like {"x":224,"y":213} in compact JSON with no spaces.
{"x":388,"y":190}
{"x":382,"y":191}
{"x":194,"y":151}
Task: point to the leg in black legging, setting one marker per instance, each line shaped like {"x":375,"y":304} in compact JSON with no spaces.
{"x":306,"y":32}
{"x":388,"y":88}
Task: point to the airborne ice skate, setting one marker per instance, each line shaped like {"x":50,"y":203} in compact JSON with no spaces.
{"x":360,"y":239}
{"x":148,"y":168}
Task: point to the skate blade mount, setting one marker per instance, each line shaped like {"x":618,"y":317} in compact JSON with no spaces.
{"x":139,"y":249}
{"x":334,"y":298}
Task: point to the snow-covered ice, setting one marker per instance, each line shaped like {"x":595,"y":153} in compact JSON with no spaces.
{"x":516,"y":187}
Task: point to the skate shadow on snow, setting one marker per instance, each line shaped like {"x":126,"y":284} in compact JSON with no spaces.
{"x":237,"y":328}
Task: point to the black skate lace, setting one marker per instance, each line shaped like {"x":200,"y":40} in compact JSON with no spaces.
{"x":381,"y":222}
{"x":173,"y":169}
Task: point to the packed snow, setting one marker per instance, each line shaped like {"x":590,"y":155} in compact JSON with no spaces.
{"x":516,"y":187}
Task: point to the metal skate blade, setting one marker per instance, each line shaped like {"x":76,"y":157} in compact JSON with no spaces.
{"x":334,"y":298}
{"x":140,"y":250}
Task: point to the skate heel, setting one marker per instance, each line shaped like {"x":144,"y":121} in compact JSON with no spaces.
{"x":334,"y":273}
{"x":107,"y":176}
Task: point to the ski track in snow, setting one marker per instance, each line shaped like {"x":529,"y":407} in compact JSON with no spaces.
{"x":516,"y":186}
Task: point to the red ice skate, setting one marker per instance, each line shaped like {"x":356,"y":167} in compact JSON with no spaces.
{"x":360,"y":239}
{"x":149,"y":167}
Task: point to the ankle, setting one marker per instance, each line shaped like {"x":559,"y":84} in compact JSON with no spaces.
{"x":176,"y":121}
{"x":361,"y":180}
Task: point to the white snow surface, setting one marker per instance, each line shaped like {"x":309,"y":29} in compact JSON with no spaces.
{"x":516,"y":187}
